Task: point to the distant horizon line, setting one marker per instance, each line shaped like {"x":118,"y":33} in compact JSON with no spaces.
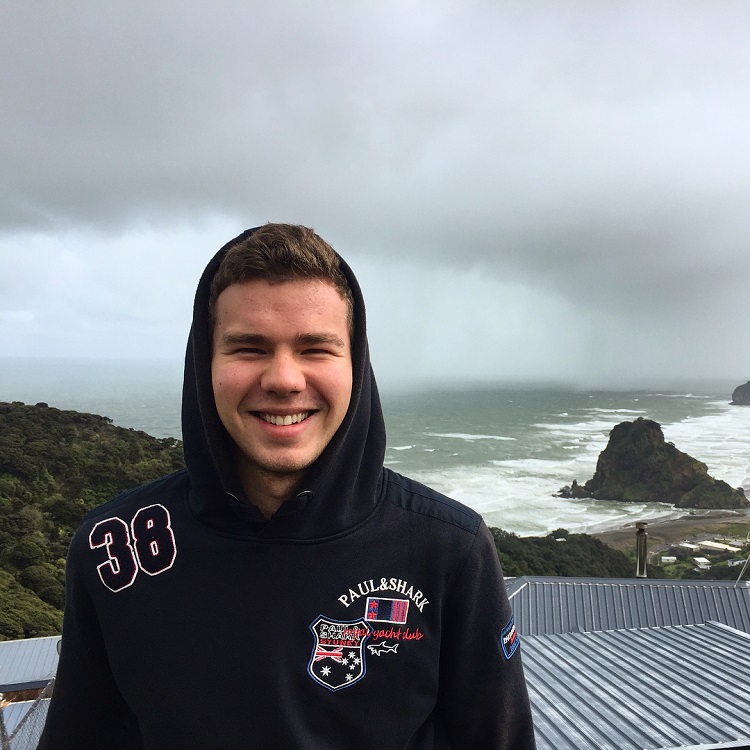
{"x":171,"y":368}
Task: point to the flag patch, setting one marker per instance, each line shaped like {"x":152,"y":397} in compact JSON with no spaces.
{"x":338,"y":658}
{"x":386,"y":610}
{"x":509,"y":639}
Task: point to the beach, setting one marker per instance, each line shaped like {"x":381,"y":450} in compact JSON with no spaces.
{"x":688,"y":528}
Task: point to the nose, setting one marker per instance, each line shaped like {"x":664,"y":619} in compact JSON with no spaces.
{"x":283,"y":374}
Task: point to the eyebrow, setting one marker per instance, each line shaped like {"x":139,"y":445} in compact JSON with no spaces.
{"x":321,"y":338}
{"x":256,"y":339}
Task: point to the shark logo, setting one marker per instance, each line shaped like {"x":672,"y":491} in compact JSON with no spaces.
{"x":380,"y":648}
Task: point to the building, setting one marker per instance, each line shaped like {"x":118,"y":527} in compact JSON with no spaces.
{"x":719,"y":547}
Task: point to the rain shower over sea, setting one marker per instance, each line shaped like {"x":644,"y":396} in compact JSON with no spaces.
{"x":503,"y":451}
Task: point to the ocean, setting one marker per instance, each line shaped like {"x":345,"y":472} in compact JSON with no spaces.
{"x":503,"y":451}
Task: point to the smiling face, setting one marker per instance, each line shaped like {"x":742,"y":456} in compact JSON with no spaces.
{"x":282,"y":374}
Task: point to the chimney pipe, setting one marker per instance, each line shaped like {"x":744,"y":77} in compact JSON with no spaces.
{"x":641,"y":536}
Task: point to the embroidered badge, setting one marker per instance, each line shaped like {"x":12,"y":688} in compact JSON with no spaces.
{"x":386,"y":610}
{"x":338,"y":658}
{"x":146,"y":544}
{"x":509,"y":639}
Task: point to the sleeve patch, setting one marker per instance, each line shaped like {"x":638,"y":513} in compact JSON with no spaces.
{"x":509,"y":638}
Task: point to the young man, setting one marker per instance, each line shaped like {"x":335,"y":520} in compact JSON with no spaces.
{"x":285,"y":591}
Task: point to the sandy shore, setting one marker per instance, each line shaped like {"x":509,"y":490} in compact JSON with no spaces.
{"x":687,"y":528}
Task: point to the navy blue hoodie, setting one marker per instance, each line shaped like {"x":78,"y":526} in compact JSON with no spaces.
{"x":368,"y":612}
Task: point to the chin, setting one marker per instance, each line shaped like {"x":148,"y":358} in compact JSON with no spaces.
{"x":285,"y":467}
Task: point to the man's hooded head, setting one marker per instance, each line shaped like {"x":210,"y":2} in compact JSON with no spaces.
{"x":278,"y":344}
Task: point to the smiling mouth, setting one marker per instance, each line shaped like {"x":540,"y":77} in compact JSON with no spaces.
{"x":285,"y":420}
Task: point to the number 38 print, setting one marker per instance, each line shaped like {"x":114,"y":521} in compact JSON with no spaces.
{"x":146,"y":544}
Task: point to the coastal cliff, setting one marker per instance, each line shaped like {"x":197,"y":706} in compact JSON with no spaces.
{"x":741,"y":395}
{"x":638,"y":466}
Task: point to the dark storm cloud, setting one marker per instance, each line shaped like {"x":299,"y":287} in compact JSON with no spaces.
{"x":591,"y":153}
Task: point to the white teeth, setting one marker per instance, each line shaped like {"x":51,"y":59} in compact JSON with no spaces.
{"x":287,"y":420}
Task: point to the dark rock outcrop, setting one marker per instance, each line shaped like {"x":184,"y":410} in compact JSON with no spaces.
{"x":638,"y":466}
{"x":741,"y":395}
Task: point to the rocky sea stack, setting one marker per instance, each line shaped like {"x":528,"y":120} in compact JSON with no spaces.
{"x":638,"y":466}
{"x":741,"y":395}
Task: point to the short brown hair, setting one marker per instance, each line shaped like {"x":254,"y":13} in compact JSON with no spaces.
{"x":276,"y":253}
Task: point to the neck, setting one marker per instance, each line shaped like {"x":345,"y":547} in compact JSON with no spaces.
{"x":267,"y":490}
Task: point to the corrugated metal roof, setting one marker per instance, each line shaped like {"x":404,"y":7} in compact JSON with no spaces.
{"x":27,"y":664}
{"x":640,"y":689}
{"x":26,"y":735}
{"x":546,"y":605}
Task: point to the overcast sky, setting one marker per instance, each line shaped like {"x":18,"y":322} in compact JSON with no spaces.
{"x":527,"y":190}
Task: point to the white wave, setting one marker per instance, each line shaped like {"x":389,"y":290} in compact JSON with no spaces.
{"x":401,"y":447}
{"x":617,"y":411}
{"x":721,"y":441}
{"x":529,"y":466}
{"x":682,"y":395}
{"x":584,"y":428}
{"x":467,"y":436}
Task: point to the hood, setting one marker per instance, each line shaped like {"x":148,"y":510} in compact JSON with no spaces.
{"x":340,"y":489}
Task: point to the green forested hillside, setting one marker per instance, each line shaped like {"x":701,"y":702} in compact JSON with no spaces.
{"x":560,"y":554}
{"x":55,"y":466}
